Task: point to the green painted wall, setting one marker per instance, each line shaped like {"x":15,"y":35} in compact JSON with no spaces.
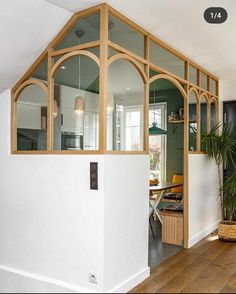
{"x":175,"y":138}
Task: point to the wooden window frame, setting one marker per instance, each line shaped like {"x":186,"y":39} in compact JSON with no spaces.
{"x":104,"y":43}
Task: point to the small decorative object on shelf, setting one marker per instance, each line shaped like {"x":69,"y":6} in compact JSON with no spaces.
{"x":177,"y":117}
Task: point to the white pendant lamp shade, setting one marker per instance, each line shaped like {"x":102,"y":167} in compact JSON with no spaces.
{"x":55,"y":109}
{"x":110,"y":103}
{"x":79,"y":105}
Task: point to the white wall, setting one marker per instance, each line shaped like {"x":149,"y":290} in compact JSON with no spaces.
{"x":204,"y":212}
{"x":54,"y":229}
{"x":227,"y":90}
{"x":50,"y":221}
{"x":126,"y":221}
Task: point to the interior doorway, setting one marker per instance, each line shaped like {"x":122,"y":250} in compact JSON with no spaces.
{"x":229,"y":116}
{"x":167,"y":154}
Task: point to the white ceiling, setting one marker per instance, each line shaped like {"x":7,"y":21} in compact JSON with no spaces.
{"x":27,"y":26}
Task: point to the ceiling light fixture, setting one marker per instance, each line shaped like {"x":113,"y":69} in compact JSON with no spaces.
{"x":79,"y":100}
{"x":55,"y":109}
{"x":154,"y":130}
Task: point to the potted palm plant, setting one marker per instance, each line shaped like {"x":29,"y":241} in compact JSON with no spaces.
{"x":220,"y":146}
{"x":227,"y":228}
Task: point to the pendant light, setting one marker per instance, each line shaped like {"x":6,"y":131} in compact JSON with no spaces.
{"x":79,"y":100}
{"x":79,"y":104}
{"x":55,"y":109}
{"x":154,"y":130}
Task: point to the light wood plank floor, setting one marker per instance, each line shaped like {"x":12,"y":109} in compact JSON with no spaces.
{"x":208,"y":267}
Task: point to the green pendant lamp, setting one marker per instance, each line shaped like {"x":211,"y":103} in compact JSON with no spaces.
{"x":154,"y":130}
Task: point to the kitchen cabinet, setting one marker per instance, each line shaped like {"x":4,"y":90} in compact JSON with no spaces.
{"x":71,"y":122}
{"x":28,"y":116}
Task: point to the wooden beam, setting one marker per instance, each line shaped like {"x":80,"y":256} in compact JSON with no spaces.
{"x":103,"y":78}
{"x":50,"y":118}
{"x":186,"y":146}
{"x":146,"y":97}
{"x":84,"y":46}
{"x":128,"y":52}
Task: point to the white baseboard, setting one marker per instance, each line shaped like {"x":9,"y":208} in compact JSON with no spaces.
{"x":199,"y":236}
{"x":50,"y":281}
{"x":122,"y":288}
{"x":132,"y":282}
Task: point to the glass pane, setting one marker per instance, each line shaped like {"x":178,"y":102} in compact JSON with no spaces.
{"x":213,"y":114}
{"x":86,"y":30}
{"x":32,"y":119}
{"x":153,"y":72}
{"x":203,"y":120}
{"x":41,"y":72}
{"x":203,"y":81}
{"x":95,"y":50}
{"x":213,"y":86}
{"x":157,"y":149}
{"x":168,"y":61}
{"x":124,"y":107}
{"x":76,"y":94}
{"x":125,"y":36}
{"x":192,"y":121}
{"x":192,"y":74}
{"x":164,"y":92}
{"x":112,"y":52}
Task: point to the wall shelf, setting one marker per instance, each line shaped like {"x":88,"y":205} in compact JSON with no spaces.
{"x":180,"y":121}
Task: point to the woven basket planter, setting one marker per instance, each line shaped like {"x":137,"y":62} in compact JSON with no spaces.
{"x":227,"y":231}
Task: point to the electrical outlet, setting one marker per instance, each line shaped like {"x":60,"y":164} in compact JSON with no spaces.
{"x":93,"y":278}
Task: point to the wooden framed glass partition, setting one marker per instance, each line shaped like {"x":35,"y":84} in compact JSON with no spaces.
{"x":101,"y":35}
{"x":105,"y":42}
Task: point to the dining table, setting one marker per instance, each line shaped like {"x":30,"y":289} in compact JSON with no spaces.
{"x":161,"y":187}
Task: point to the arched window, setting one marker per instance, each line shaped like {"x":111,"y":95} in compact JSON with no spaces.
{"x":193,"y":124}
{"x":31,"y":118}
{"x":76,"y":102}
{"x":203,"y":116}
{"x":125,"y":107}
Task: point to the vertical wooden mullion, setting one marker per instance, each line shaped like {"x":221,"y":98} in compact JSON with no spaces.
{"x":13,"y":124}
{"x":103,"y":78}
{"x":50,"y":120}
{"x":146,"y":96}
{"x":199,"y":123}
{"x":186,"y":147}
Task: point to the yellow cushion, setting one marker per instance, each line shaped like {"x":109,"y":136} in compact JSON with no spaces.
{"x":177,"y":179}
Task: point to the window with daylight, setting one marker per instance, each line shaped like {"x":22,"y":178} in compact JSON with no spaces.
{"x":157,"y":144}
{"x":125,"y":107}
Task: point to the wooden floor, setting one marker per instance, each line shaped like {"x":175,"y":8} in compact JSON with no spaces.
{"x":208,"y":267}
